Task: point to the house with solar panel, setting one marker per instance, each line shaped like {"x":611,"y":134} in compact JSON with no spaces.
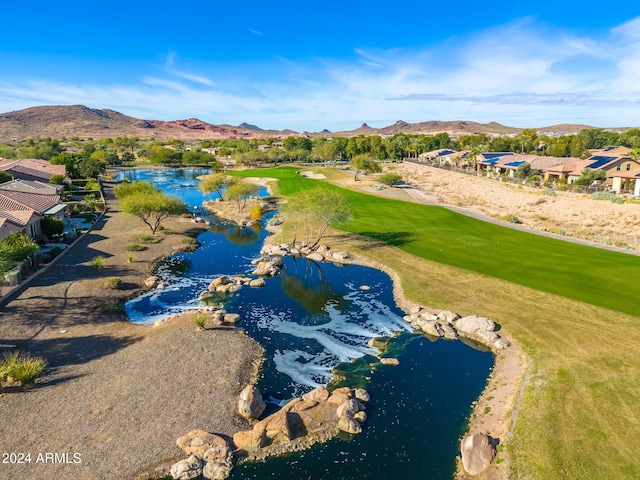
{"x":508,"y":164}
{"x":612,"y":165}
{"x":443,"y":156}
{"x":487,"y":161}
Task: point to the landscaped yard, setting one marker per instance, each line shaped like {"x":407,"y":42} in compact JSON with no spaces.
{"x":574,"y":310}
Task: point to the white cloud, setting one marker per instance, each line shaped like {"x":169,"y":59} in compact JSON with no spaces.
{"x":522,"y":74}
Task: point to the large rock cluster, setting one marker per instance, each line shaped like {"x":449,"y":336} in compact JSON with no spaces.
{"x":320,"y":254}
{"x":450,"y":325}
{"x":209,"y":456}
{"x":314,"y":417}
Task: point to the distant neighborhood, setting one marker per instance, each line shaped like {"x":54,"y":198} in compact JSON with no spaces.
{"x":612,"y":167}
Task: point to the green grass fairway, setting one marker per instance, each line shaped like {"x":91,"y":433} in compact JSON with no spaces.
{"x":600,"y":277}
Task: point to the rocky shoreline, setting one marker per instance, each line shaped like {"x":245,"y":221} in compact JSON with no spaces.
{"x":320,"y":415}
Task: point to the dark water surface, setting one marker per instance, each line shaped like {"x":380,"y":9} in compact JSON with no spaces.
{"x":313,"y":317}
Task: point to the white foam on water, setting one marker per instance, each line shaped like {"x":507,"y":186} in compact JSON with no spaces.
{"x":344,"y":337}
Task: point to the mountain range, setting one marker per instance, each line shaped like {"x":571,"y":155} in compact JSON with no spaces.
{"x":84,"y":122}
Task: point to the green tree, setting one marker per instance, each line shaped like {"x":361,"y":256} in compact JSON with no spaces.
{"x":126,"y":189}
{"x":217,"y":183}
{"x":390,"y":178}
{"x":240,"y":193}
{"x":363,"y":163}
{"x":57,"y":179}
{"x":91,"y":167}
{"x":17,"y":247}
{"x":5,"y":177}
{"x":152,"y":208}
{"x":316,"y":209}
{"x":589,"y":176}
{"x":51,"y":226}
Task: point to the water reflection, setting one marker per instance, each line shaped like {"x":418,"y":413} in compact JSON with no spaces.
{"x":307,"y":285}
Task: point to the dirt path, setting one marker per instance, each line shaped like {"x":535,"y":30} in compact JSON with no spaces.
{"x":115,"y":393}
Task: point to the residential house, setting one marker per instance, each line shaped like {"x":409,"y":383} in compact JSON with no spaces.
{"x":16,"y":217}
{"x":510,"y":163}
{"x":487,"y":160}
{"x":626,"y":181}
{"x":32,"y":169}
{"x":612,"y":151}
{"x":444,"y":156}
{"x":608,"y":163}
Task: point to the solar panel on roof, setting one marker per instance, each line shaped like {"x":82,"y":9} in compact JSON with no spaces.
{"x":446,"y":152}
{"x":496,"y":155}
{"x":493,"y":161}
{"x":600,"y":160}
{"x":514,"y":164}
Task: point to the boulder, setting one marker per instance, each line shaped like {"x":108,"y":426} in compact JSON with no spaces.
{"x":344,"y":391}
{"x":316,"y":257}
{"x":231,"y":318}
{"x":448,"y":331}
{"x":390,"y":361}
{"x":151,"y":282}
{"x":250,"y":439}
{"x":234,"y":287}
{"x":219,"y":463}
{"x":477,"y":451}
{"x":349,"y":424}
{"x":279,"y":426}
{"x":319,"y":394}
{"x":337,"y":398}
{"x":473,"y":324}
{"x":250,"y":403}
{"x":186,"y":469}
{"x":361,"y":394}
{"x":220,"y":281}
{"x":223,"y":288}
{"x":431,"y":327}
{"x":257,"y":283}
{"x":360,"y":416}
{"x":501,"y":343}
{"x":347,"y":408}
{"x":324,"y":248}
{"x":340,"y":256}
{"x":304,"y":405}
{"x":487,"y":337}
{"x":196,"y":442}
{"x":448,"y":316}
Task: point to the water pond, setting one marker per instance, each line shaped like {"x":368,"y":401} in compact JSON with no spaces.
{"x":314,"y":317}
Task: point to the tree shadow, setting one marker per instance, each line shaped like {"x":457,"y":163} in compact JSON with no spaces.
{"x":394,"y":239}
{"x":64,"y":351}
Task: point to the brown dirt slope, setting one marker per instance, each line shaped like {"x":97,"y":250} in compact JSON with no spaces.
{"x":115,"y":393}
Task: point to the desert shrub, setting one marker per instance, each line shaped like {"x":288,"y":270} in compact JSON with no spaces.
{"x":97,"y":262}
{"x":607,"y":196}
{"x":200,"y":321}
{"x":113,"y":283}
{"x":146,"y":238}
{"x":22,"y":367}
{"x":189,"y":241}
{"x":390,"y":178}
{"x":256,"y":213}
{"x":511,"y":218}
{"x":112,"y":307}
{"x":129,"y":257}
{"x":51,"y":226}
{"x":136,"y":247}
{"x":549,"y":191}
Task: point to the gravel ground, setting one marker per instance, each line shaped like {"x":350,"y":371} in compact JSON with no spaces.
{"x":115,"y":394}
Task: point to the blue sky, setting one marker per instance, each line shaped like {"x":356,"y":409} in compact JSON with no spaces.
{"x":328,"y":64}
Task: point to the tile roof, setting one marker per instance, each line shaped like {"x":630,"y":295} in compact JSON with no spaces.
{"x":33,"y":201}
{"x":18,"y":217}
{"x":31,"y":186}
{"x":32,"y":169}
